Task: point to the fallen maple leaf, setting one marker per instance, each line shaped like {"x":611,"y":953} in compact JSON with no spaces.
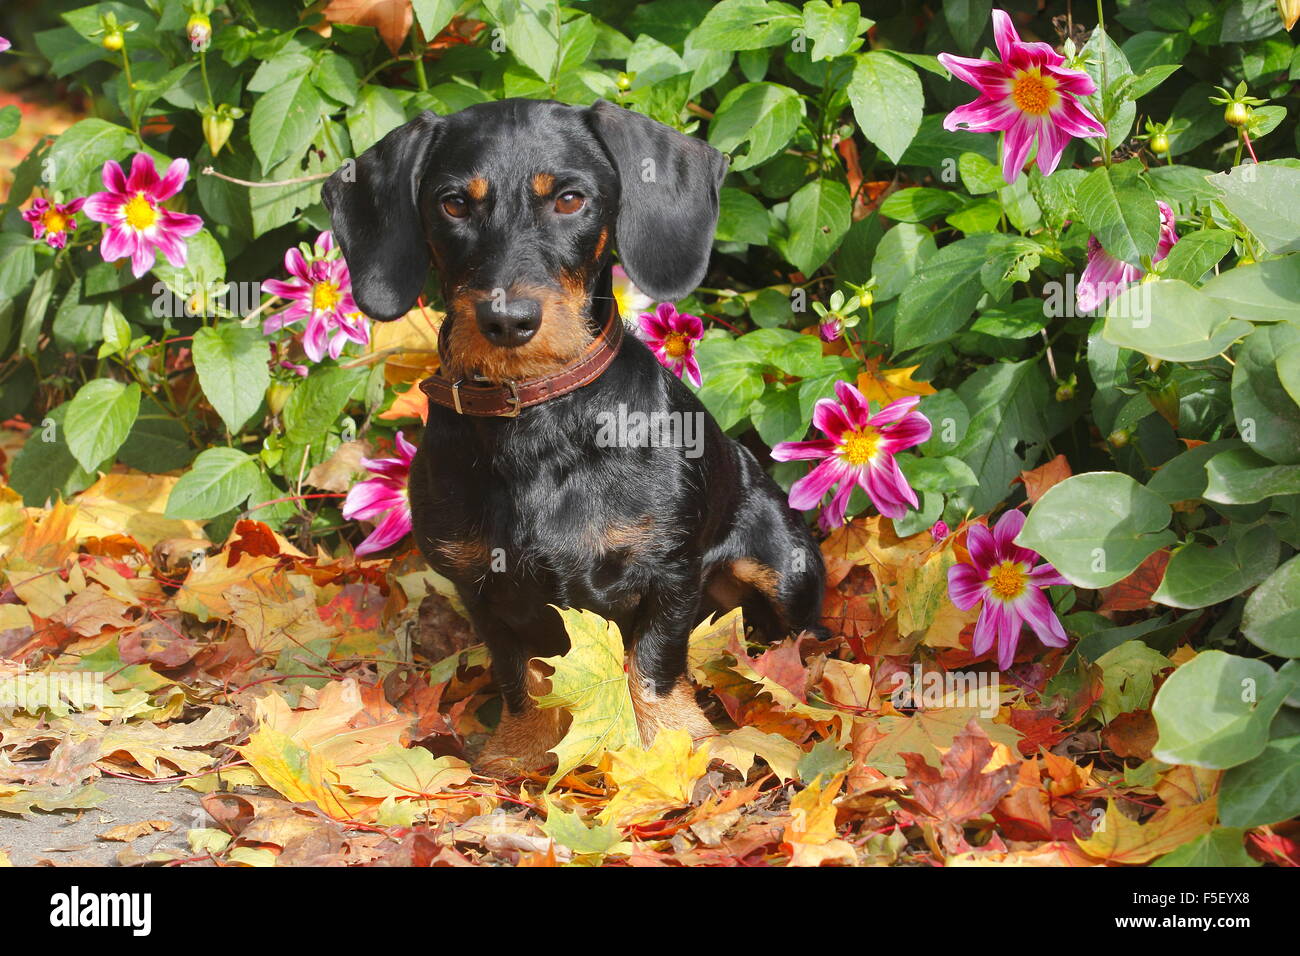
{"x":887,"y":385}
{"x":1038,"y":480}
{"x":652,"y":782}
{"x":127,"y":832}
{"x":1118,"y":839}
{"x":810,"y":837}
{"x":392,"y":18}
{"x":962,"y":789}
{"x":590,"y":683}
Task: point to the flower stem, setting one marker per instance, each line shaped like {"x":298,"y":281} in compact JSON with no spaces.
{"x":203,"y":68}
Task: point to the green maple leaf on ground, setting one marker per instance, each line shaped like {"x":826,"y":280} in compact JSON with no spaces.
{"x":589,"y":682}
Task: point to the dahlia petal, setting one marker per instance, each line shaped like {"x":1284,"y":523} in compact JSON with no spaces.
{"x":313,"y":339}
{"x":912,"y":430}
{"x":388,"y":532}
{"x":1008,"y":636}
{"x":889,"y":490}
{"x":1015,"y":150}
{"x":104,"y":207}
{"x":405,"y":449}
{"x":983,"y":552}
{"x":895,"y":411}
{"x":367,"y":498}
{"x":144,"y":174}
{"x":1005,"y":531}
{"x":839,"y":505}
{"x":1072,"y":117}
{"x":1052,"y":141}
{"x":293,"y":289}
{"x":982,"y":116}
{"x":855,"y":407}
{"x":809,"y":490}
{"x":118,"y":241}
{"x":986,"y":628}
{"x":172,"y":180}
{"x":1036,"y":610}
{"x":965,"y":586}
{"x":142,"y":258}
{"x":1004,"y":34}
{"x":114,"y":179}
{"x":173,"y":247}
{"x":1045,"y":576}
{"x":830,"y":418}
{"x":801,"y":450}
{"x":183,"y":224}
{"x":986,"y":76}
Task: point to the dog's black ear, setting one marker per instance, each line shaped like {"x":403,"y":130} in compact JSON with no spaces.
{"x":669,"y":207}
{"x":374,"y":208}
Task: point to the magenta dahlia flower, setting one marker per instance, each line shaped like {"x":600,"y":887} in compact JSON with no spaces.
{"x":858,"y":449}
{"x":319,"y":290}
{"x":383,"y":499}
{"x":672,"y":336}
{"x":1105,"y":277}
{"x":4,"y":44}
{"x":1028,"y":93}
{"x":136,"y":224}
{"x":53,"y":222}
{"x":1007,"y":579}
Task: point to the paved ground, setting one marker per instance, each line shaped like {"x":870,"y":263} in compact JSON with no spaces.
{"x":72,"y":838}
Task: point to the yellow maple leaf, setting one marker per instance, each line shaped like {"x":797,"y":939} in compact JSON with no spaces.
{"x":887,"y":385}
{"x":810,"y":836}
{"x":589,"y":681}
{"x":1117,"y":839}
{"x":652,"y":782}
{"x":131,"y":504}
{"x":408,"y":346}
{"x":300,"y":774}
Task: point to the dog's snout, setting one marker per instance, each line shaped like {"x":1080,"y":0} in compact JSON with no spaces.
{"x":509,"y":322}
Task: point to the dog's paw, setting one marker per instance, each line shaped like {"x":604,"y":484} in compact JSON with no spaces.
{"x":522,"y":743}
{"x":676,"y":710}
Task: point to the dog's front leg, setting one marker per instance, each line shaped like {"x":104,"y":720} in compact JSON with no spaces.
{"x":526,"y":733}
{"x":662,"y":696}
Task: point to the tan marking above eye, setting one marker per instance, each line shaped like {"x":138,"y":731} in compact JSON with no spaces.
{"x":569,"y":203}
{"x":477,"y":187}
{"x":543,"y":183}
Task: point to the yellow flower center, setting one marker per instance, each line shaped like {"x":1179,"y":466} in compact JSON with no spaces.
{"x":324,"y":296}
{"x":54,"y":221}
{"x":1033,"y":92}
{"x":860,"y":445}
{"x":1008,"y":580}
{"x":140,"y":212}
{"x":676,"y":344}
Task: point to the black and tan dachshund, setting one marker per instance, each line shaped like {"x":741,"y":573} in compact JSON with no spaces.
{"x":519,"y":494}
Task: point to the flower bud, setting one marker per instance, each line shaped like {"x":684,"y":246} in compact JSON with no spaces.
{"x":1159,"y":143}
{"x":830,"y":330}
{"x":199,"y":31}
{"x":277,"y":393}
{"x":1289,"y":11}
{"x":1236,"y":114}
{"x":113,"y":40}
{"x":216,"y":130}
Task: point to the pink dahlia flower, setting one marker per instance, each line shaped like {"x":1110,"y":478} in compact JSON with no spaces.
{"x":672,"y":336}
{"x":1105,"y":277}
{"x":135,"y":222}
{"x":53,"y":222}
{"x":1029,"y":93}
{"x":858,"y":449}
{"x":320,"y":290}
{"x":383,"y":499}
{"x":4,"y":44}
{"x":1007,"y":579}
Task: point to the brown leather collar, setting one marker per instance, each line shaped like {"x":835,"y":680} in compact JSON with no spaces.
{"x":474,"y":397}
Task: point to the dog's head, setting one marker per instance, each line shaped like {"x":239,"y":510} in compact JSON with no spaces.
{"x":517,"y":204}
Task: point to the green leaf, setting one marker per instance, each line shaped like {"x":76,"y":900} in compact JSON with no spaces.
{"x":38,"y":304}
{"x":1266,"y":414}
{"x":317,"y":402}
{"x":966,"y":20}
{"x":10,"y":119}
{"x":778,"y":417}
{"x":219,"y":480}
{"x":232,"y":365}
{"x":115,"y":331}
{"x":945,"y":473}
{"x":760,"y":116}
{"x":79,"y":154}
{"x":819,"y":216}
{"x":920,"y":203}
{"x":941,"y":296}
{"x":1198,"y":576}
{"x":17,"y":264}
{"x":1264,"y":197}
{"x":729,"y":393}
{"x":832,"y":29}
{"x":1241,"y":477}
{"x":45,"y":469}
{"x":1097,"y":528}
{"x":1168,"y":319}
{"x":1121,"y":212}
{"x":433,"y":15}
{"x":887,"y":101}
{"x":1196,"y":254}
{"x":1271,"y":618}
{"x":1128,"y":674}
{"x":1221,"y":847}
{"x":100,"y":417}
{"x":979,"y":175}
{"x":1215,"y":711}
{"x":742,"y":218}
{"x":531,"y":31}
{"x":746,"y":25}
{"x":1261,"y":292}
{"x":285,"y":119}
{"x":901,"y":251}
{"x":378,"y":112}
{"x":1264,"y":790}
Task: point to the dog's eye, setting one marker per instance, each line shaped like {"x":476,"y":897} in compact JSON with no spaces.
{"x":569,"y":203}
{"x":455,"y":206}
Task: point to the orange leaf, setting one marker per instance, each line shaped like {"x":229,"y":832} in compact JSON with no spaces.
{"x":392,"y":18}
{"x":887,"y":385}
{"x":1038,"y":480}
{"x":1134,"y":592}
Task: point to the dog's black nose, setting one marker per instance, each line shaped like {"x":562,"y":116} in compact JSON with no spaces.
{"x":509,"y":322}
